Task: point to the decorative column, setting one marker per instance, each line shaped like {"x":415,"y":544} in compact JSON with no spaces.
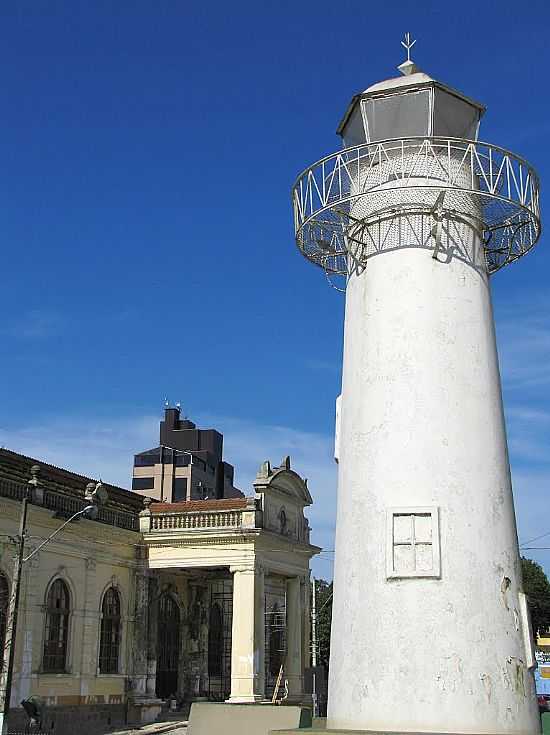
{"x":141,"y":630}
{"x":90,"y":630}
{"x":183,"y":664}
{"x":305,"y":594}
{"x":294,"y":631}
{"x":143,"y":703}
{"x":247,"y":635}
{"x":152,"y":636}
{"x":259,"y":627}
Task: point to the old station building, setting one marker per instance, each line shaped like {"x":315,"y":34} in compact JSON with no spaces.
{"x":186,"y":588}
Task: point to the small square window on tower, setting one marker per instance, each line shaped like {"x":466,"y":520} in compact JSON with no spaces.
{"x":413,"y":542}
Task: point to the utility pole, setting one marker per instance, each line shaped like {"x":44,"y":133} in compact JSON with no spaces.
{"x":314,"y":698}
{"x":95,"y":496}
{"x":11,"y":621}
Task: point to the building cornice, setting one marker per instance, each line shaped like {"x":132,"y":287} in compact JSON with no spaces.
{"x":202,"y":540}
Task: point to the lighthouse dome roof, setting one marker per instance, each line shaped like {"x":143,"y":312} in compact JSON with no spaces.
{"x":402,"y":81}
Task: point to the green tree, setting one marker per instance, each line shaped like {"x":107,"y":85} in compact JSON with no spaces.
{"x":324,"y":619}
{"x":537,"y":588}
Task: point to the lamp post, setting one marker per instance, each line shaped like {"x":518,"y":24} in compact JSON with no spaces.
{"x":95,"y":496}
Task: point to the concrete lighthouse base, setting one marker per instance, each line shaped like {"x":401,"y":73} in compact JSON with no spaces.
{"x":317,"y":731}
{"x":322,"y":731}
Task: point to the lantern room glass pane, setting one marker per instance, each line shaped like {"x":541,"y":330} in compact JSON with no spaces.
{"x":401,"y":115}
{"x":354,"y":132}
{"x":453,"y":117}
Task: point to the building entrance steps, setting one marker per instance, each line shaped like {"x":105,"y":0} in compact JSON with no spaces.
{"x":322,"y":731}
{"x":174,"y":727}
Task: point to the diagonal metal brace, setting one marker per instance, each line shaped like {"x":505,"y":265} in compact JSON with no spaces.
{"x":437,"y":213}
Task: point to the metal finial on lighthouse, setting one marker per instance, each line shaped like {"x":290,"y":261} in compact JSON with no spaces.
{"x":408,"y":44}
{"x":408,"y":66}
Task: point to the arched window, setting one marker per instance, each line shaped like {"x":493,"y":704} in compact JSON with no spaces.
{"x":283,"y":522}
{"x":109,"y":644}
{"x":215,"y":641}
{"x":4,"y":603}
{"x":57,"y":628}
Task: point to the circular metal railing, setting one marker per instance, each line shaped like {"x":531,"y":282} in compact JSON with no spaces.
{"x":340,"y":201}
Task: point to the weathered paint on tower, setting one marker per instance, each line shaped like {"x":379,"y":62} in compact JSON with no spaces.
{"x":430,"y":628}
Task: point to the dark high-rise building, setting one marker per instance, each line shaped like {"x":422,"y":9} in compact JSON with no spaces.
{"x":187,"y":465}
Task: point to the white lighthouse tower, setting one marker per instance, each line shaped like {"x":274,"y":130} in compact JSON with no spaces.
{"x":430,"y":627}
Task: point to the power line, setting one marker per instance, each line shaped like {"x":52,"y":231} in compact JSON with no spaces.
{"x":536,"y":538}
{"x":329,"y":598}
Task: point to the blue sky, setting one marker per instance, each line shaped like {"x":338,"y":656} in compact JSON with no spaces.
{"x":148,"y":150}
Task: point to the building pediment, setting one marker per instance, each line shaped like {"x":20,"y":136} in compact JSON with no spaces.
{"x":282,"y":479}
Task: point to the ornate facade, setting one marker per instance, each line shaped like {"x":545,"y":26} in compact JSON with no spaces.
{"x":155,"y":601}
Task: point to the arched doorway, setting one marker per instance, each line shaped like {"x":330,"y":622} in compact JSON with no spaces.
{"x":168,"y":646}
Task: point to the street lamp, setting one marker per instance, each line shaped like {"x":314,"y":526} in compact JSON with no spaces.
{"x":95,"y":496}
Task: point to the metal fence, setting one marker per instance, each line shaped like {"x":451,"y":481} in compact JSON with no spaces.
{"x":65,"y":505}
{"x":406,"y":171}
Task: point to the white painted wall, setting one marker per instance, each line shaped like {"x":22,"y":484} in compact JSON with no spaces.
{"x":422,"y":425}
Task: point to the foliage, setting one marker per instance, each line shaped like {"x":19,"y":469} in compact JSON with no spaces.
{"x":537,"y":588}
{"x":324,"y":618}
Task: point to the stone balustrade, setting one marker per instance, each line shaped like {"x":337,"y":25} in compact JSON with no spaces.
{"x":215,"y":519}
{"x":244,"y":513}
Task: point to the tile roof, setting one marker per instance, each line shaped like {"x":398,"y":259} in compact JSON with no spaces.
{"x":122,"y":504}
{"x":15,"y":468}
{"x":188,"y":506}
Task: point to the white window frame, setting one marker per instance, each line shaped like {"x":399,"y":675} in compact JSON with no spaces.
{"x":430,"y":510}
